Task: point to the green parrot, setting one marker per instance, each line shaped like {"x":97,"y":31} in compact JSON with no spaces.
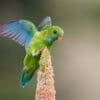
{"x":33,"y":39}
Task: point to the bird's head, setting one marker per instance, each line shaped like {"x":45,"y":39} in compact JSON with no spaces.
{"x":53,"y":33}
{"x":50,"y":32}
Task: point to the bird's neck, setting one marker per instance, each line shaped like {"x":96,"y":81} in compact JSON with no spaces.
{"x":46,"y":38}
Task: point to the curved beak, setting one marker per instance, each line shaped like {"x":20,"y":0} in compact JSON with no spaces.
{"x":60,"y":38}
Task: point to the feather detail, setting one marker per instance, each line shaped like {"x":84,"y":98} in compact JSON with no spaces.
{"x":20,"y":31}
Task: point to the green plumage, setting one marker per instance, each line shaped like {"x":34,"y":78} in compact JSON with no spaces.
{"x":34,"y":40}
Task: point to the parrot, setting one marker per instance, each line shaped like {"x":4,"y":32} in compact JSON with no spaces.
{"x":33,"y":39}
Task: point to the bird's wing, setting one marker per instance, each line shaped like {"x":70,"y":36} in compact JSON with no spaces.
{"x":20,"y":31}
{"x":45,"y":21}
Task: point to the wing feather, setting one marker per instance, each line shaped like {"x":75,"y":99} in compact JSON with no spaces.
{"x":20,"y":31}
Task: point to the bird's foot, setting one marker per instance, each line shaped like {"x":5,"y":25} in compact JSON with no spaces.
{"x":37,"y":53}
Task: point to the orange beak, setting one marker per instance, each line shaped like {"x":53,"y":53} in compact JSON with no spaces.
{"x":60,"y":38}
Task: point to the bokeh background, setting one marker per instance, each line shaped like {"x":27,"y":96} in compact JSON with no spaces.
{"x":76,"y":59}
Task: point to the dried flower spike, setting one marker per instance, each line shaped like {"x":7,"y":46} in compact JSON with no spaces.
{"x":45,"y":83}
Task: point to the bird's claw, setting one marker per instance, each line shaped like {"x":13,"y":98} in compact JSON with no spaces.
{"x":37,"y":53}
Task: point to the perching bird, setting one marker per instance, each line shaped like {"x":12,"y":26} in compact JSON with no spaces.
{"x":33,"y":39}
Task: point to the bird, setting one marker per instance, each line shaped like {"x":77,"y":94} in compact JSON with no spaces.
{"x":33,"y":39}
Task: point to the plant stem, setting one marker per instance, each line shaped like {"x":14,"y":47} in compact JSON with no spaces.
{"x":45,"y":82}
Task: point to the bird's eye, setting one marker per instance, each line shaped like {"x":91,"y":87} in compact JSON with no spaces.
{"x":54,"y":31}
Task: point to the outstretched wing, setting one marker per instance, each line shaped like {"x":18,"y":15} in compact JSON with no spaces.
{"x":45,"y":21}
{"x":20,"y":31}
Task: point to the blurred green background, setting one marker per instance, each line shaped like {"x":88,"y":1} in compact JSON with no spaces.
{"x":76,"y":59}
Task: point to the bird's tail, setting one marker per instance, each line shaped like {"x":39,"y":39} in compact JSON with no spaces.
{"x":26,"y":75}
